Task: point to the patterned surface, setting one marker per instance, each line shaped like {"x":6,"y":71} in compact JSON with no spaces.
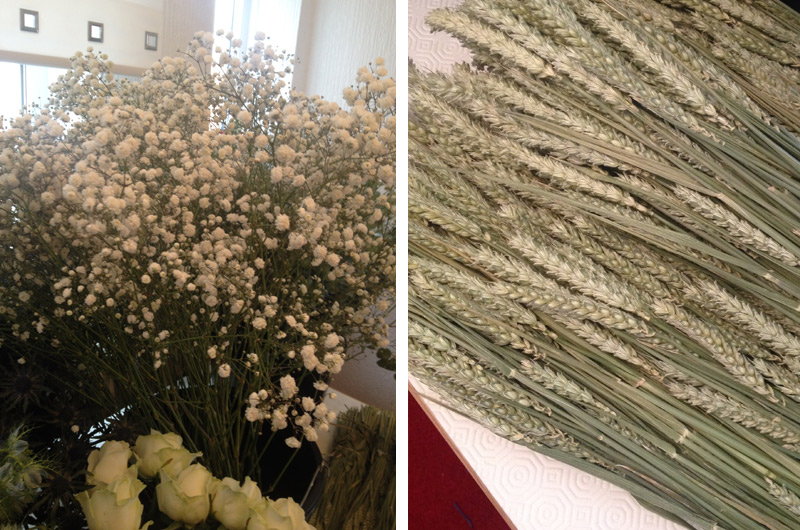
{"x":536,"y":492}
{"x":428,"y":50}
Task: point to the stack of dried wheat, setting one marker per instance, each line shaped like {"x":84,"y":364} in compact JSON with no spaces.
{"x":605,"y":261}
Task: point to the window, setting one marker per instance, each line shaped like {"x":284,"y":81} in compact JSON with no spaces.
{"x":11,"y":99}
{"x":278,"y":19}
{"x":24,"y":85}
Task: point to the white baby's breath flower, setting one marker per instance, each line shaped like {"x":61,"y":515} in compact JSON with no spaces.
{"x":285,"y":154}
{"x":282,"y":222}
{"x":252,"y":414}
{"x":288,"y":387}
{"x":331,"y":341}
{"x":304,"y":420}
{"x":310,"y":360}
{"x":129,"y":246}
{"x":279,"y":420}
{"x":310,"y":434}
{"x":296,"y":241}
{"x":308,"y":404}
{"x":224,"y":370}
{"x":321,"y":411}
{"x":293,"y":442}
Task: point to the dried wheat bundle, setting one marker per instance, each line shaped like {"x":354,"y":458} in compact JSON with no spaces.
{"x":604,"y":255}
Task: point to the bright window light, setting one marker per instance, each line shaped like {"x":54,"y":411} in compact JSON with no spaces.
{"x":10,"y":90}
{"x":278,"y":19}
{"x":37,"y":83}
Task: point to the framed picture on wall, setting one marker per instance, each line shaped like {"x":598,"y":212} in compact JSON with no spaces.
{"x":150,"y":40}
{"x":29,"y":20}
{"x":95,"y":32}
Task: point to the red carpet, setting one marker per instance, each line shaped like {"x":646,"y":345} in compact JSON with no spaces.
{"x":442,"y":493}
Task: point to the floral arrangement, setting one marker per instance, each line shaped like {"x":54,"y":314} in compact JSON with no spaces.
{"x":603,"y":243}
{"x":361,"y":479}
{"x":21,"y":474}
{"x":200,"y":251}
{"x":186,"y":494}
{"x":60,"y":428}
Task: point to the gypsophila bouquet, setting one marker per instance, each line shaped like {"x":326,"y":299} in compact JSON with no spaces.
{"x":202,"y":248}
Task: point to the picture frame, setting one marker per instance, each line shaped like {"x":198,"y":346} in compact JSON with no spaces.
{"x":150,"y":40}
{"x":29,"y":20}
{"x":96,"y":31}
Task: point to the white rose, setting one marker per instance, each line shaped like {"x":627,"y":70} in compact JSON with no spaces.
{"x":187,"y":497}
{"x":115,"y":505}
{"x":175,"y":460}
{"x":282,"y":514}
{"x":157,"y":450}
{"x":108,"y":463}
{"x":231,"y":503}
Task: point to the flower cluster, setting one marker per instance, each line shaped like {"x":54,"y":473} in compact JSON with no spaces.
{"x":204,"y":225}
{"x":21,"y":473}
{"x":186,"y":493}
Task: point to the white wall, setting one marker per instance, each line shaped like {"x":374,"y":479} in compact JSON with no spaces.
{"x":63,"y":30}
{"x":362,"y":379}
{"x":182,"y":19}
{"x":337,"y":37}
